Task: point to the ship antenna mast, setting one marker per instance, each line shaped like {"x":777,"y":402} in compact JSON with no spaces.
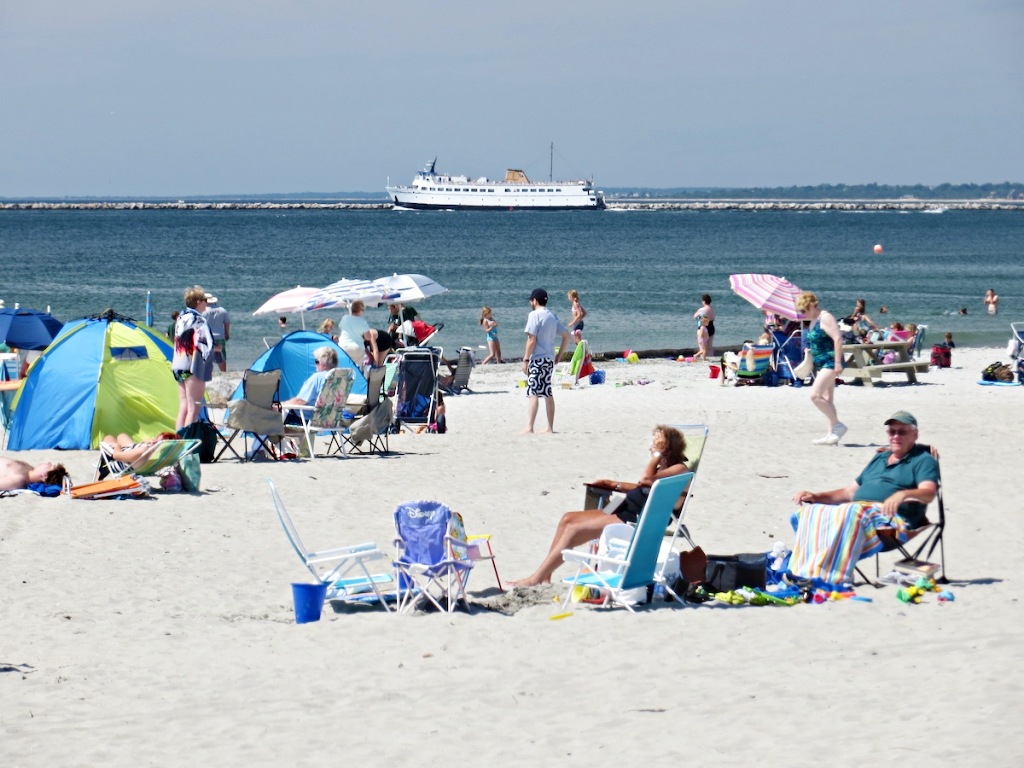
{"x":551,"y":163}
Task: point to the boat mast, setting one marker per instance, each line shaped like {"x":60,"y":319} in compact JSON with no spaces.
{"x":551,"y":163}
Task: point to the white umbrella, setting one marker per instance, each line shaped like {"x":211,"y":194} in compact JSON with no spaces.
{"x":287,"y":302}
{"x":406,"y":288}
{"x":343,"y":293}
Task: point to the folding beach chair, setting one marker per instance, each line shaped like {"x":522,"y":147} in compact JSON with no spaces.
{"x":327,"y":415}
{"x":126,"y":485}
{"x":428,"y":569}
{"x":789,"y":353}
{"x":750,"y":366}
{"x":256,"y":414}
{"x":159,"y":456}
{"x":343,"y":569}
{"x":618,"y":575}
{"x":458,"y":382}
{"x":920,"y":544}
{"x":373,"y":426}
{"x":579,"y":367}
{"x":416,"y":393}
{"x":474,"y":547}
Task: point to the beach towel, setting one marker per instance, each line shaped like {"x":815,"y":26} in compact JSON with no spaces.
{"x":831,"y":538}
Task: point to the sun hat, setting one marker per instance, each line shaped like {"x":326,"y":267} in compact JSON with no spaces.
{"x":211,"y":299}
{"x":903,"y":417}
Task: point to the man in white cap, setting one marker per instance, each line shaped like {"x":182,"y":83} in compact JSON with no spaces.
{"x":901,"y":481}
{"x":539,"y":358}
{"x":220,"y":329}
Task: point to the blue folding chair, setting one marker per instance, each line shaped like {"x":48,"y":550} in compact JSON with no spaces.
{"x":428,"y":570}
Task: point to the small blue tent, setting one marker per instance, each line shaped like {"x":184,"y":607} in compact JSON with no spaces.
{"x":293,"y":356}
{"x":101,"y":376}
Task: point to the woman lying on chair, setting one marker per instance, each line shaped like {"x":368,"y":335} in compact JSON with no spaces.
{"x":575,"y":528}
{"x":122,"y":451}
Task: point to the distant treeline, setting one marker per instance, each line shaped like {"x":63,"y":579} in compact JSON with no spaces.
{"x":1003,"y":191}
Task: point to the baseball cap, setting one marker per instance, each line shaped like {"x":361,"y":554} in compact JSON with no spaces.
{"x":903,"y":417}
{"x":539,"y":294}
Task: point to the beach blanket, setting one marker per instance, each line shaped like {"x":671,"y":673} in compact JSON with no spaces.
{"x":831,"y":538}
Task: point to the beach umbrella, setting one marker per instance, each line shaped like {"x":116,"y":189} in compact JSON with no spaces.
{"x":287,"y":302}
{"x":768,"y":293}
{"x":344,"y":292}
{"x":28,"y":328}
{"x":406,"y":288}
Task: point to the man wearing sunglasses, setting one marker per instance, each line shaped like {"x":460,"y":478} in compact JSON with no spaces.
{"x":906,"y":471}
{"x":835,"y":528}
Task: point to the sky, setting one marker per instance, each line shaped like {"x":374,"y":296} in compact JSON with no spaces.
{"x":141,"y":98}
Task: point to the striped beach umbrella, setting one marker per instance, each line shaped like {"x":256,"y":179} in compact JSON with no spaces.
{"x":343,"y":293}
{"x":288,"y":302}
{"x":768,"y":293}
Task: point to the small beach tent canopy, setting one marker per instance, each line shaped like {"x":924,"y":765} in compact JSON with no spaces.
{"x":101,"y":376}
{"x":28,"y":328}
{"x":293,"y":356}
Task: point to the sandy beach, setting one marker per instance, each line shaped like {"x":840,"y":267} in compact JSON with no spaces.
{"x":160,"y":631}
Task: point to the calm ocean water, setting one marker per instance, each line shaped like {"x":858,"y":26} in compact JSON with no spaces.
{"x":640,"y":274}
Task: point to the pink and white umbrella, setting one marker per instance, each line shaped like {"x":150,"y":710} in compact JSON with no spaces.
{"x":768,"y":293}
{"x":287,"y":302}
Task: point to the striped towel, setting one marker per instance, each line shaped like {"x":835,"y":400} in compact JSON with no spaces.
{"x":831,"y":538}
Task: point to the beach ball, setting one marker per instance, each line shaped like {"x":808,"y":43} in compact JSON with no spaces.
{"x":878,"y":248}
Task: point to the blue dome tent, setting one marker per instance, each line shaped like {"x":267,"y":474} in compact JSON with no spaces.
{"x":293,"y":356}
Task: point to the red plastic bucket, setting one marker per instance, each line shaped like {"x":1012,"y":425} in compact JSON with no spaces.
{"x":715,"y":370}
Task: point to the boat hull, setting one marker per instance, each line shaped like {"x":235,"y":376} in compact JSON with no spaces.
{"x":431,"y":191}
{"x":415,"y":205}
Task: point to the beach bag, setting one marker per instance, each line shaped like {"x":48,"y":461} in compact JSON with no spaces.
{"x":206,"y":433}
{"x":806,"y":367}
{"x":728,"y":572}
{"x":941,"y":356}
{"x":190,"y":472}
{"x":997,"y":372}
{"x":170,"y":479}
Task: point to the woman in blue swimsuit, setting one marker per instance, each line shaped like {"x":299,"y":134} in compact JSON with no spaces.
{"x":826,"y":344}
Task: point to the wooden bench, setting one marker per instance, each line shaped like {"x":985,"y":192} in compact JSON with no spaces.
{"x":861,"y":362}
{"x":872,"y":372}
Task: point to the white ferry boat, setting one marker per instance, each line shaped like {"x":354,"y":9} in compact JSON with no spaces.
{"x":434,"y":191}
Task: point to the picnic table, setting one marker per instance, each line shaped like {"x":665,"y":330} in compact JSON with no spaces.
{"x":861,"y":361}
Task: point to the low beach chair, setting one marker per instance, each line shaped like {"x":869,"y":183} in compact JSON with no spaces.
{"x":474,"y":547}
{"x":580,"y":366}
{"x":428,"y":569}
{"x":618,"y":575}
{"x":458,"y":382}
{"x":159,"y":456}
{"x":343,"y":569}
{"x":750,"y":366}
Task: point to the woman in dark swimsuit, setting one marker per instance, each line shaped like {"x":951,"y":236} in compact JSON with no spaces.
{"x":826,"y":344}
{"x":575,"y":528}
